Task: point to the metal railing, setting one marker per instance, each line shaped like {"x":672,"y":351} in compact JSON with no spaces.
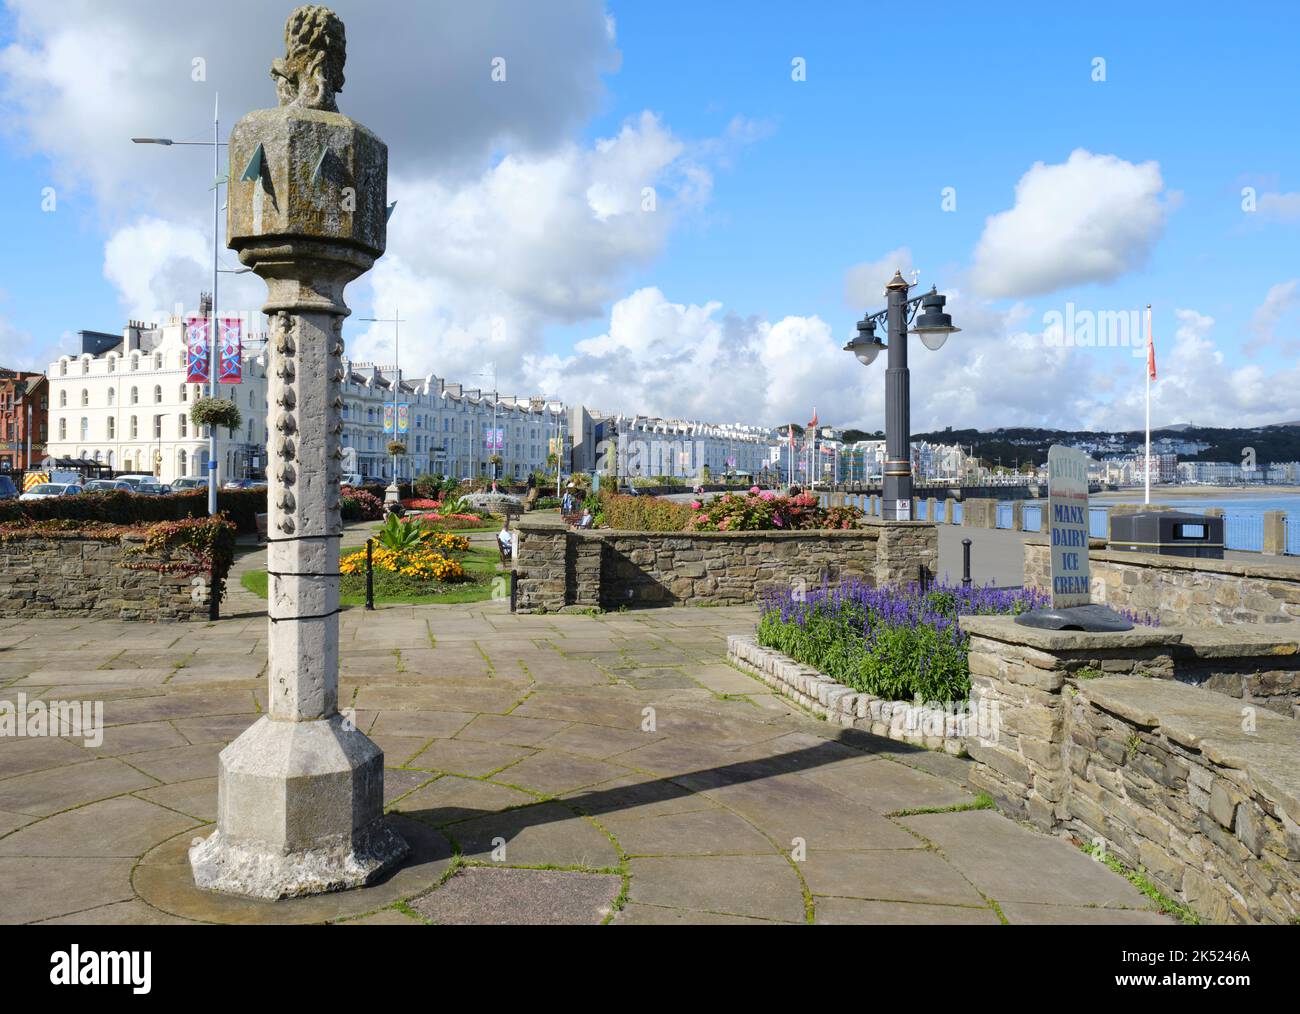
{"x":1243,"y":531}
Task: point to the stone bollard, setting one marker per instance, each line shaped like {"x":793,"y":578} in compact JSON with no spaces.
{"x":980,"y":512}
{"x":931,"y":510}
{"x":948,"y":506}
{"x":1017,"y":516}
{"x":1275,"y":532}
{"x":300,"y":793}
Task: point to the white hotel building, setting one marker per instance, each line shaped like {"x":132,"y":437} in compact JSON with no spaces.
{"x":123,"y":401}
{"x":649,"y":446}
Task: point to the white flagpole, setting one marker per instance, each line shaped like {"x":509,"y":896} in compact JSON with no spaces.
{"x":1146,"y":470}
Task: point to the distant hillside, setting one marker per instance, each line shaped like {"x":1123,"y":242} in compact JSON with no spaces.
{"x":1028,"y":445}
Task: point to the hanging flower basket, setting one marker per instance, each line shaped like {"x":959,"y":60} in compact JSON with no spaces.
{"x":396,"y":448}
{"x":215,"y":412}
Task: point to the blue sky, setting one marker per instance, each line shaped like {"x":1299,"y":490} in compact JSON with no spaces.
{"x":733,"y":302}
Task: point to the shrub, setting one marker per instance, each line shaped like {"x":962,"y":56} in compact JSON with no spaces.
{"x":360,"y":505}
{"x":643,"y":513}
{"x":898,"y":642}
{"x":396,"y":448}
{"x":763,"y":510}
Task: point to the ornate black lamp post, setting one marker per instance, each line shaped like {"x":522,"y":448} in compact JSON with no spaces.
{"x":933,"y":327}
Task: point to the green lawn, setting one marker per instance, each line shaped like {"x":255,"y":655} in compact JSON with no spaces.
{"x":480,"y":566}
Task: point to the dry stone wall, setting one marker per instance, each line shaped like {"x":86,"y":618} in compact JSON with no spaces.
{"x":85,"y":577}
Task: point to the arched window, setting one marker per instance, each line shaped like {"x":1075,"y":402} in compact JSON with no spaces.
{"x":181,"y":461}
{"x":135,"y":396}
{"x":110,"y":459}
{"x":157,"y":361}
{"x":135,"y":428}
{"x":157,"y":394}
{"x":111,"y":395}
{"x":85,"y":397}
{"x":112,"y":428}
{"x":157,"y":427}
{"x":135,"y":361}
{"x":85,"y":429}
{"x":63,"y":367}
{"x":112,"y":364}
{"x":182,"y":423}
{"x":185,"y":392}
{"x":63,"y":399}
{"x":63,"y":429}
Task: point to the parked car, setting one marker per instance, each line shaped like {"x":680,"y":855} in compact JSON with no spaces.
{"x":107,"y":486}
{"x":244,"y":484}
{"x":152,"y":488}
{"x":351,"y":479}
{"x":135,"y":480}
{"x":8,"y":491}
{"x":189,"y":482}
{"x":46,"y":490}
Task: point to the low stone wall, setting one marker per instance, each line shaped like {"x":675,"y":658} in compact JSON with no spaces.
{"x":561,"y":569}
{"x":1182,"y":590}
{"x":1193,"y":786}
{"x":85,"y":577}
{"x":904,"y":721}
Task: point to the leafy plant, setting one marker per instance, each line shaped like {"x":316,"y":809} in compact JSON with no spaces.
{"x":216,"y":412}
{"x":396,"y":448}
{"x":401,"y":535}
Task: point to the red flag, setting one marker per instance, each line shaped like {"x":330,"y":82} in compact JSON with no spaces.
{"x":813,"y":425}
{"x":791,"y":430}
{"x":1151,"y":348}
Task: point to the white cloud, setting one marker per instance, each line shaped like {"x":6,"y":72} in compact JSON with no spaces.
{"x":864,"y":283}
{"x":1278,"y":302}
{"x":1284,"y":206}
{"x":1089,"y":219}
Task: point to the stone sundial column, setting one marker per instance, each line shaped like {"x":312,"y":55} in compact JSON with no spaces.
{"x":300,"y":793}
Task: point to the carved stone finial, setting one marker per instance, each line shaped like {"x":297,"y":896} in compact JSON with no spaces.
{"x":311,"y":72}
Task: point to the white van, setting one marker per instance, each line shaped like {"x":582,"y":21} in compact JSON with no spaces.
{"x":350,"y":479}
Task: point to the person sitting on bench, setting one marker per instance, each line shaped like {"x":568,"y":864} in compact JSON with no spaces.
{"x":505,"y":541}
{"x":586,"y":521}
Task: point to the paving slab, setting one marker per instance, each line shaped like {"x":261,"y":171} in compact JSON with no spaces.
{"x":1010,"y":863}
{"x":125,"y":826}
{"x":855,"y":912}
{"x":763,"y":887}
{"x":501,"y":897}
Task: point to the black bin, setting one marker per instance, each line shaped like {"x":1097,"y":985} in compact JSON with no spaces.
{"x":1168,"y":533}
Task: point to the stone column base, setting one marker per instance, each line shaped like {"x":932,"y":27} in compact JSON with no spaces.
{"x":300,"y":811}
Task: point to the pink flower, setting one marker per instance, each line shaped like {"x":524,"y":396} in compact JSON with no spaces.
{"x":695,"y":505}
{"x":724,"y":524}
{"x":776,"y":520}
{"x":753,"y":489}
{"x":767,"y":494}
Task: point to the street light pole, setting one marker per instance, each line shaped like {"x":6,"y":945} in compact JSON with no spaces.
{"x":932,"y":326}
{"x":217,"y":145}
{"x":392,"y":494}
{"x":897,"y":484}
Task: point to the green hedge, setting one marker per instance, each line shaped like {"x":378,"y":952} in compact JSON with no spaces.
{"x":241,"y":506}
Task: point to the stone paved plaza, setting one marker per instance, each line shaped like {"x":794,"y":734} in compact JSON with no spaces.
{"x":527,"y":733}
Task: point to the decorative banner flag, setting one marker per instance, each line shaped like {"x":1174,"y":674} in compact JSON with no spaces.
{"x":196,"y":345}
{"x":403,"y":418}
{"x":231,"y":352}
{"x":388,"y":418}
{"x":1151,"y":347}
{"x":494,"y":439}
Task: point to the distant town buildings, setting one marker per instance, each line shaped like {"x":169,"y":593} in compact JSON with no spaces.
{"x":24,"y":404}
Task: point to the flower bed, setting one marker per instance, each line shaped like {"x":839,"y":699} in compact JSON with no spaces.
{"x":408,"y":557}
{"x":757,"y":510}
{"x":357,"y":504}
{"x":763,"y":510}
{"x":897,"y":643}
